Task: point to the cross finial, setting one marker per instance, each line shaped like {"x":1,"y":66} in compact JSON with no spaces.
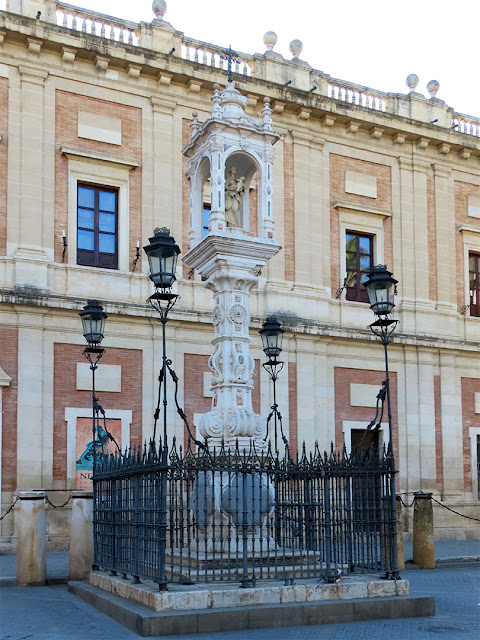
{"x":230,"y":58}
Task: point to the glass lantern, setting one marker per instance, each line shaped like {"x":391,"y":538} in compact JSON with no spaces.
{"x":162,"y":253}
{"x":381,"y":290}
{"x":93,"y":321}
{"x":272,"y":336}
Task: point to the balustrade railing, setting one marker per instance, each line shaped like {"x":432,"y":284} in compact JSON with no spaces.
{"x":215,"y":57}
{"x":97,"y":24}
{"x":466,"y":124}
{"x":356,"y":94}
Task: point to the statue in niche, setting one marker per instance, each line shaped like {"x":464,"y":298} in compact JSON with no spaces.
{"x":234,"y":190}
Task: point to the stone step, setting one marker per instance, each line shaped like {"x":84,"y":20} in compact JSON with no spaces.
{"x":148,"y":623}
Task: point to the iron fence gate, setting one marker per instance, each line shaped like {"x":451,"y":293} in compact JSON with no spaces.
{"x":242,"y":515}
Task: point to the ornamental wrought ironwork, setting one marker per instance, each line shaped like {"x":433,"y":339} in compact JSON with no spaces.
{"x":218,"y":515}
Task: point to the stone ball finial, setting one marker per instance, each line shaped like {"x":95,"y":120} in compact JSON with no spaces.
{"x":159,"y":8}
{"x":412,"y":81}
{"x":270,"y":40}
{"x":216,"y":86}
{"x":432,"y":87}
{"x":194,"y":115}
{"x":296,"y":48}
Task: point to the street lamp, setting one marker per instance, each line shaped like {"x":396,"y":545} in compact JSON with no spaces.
{"x":93,"y":322}
{"x":272,"y":337}
{"x":381,"y":288}
{"x":162,"y":253}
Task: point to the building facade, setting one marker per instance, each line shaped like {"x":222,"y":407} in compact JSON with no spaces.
{"x":95,"y":112}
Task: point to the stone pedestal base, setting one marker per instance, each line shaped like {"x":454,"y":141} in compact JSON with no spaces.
{"x":423,"y":542}
{"x":32,"y":540}
{"x":81,"y":535}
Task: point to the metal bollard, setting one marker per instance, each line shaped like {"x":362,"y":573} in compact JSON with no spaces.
{"x":32,"y":540}
{"x":423,"y":542}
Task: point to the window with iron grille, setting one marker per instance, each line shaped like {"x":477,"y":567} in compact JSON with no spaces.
{"x":359,"y":263}
{"x":474,"y":283}
{"x":97,"y":226}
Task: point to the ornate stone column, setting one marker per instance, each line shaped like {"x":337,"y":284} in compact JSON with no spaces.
{"x":231,"y":265}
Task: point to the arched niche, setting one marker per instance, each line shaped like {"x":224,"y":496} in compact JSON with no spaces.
{"x":200,"y":194}
{"x":247,"y":167}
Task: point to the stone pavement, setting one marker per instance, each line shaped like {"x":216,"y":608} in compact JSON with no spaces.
{"x":52,"y":613}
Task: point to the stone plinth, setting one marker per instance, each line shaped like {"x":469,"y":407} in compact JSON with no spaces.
{"x":216,"y":596}
{"x":400,"y":551}
{"x":32,"y":540}
{"x":423,"y":542}
{"x":81,"y":535}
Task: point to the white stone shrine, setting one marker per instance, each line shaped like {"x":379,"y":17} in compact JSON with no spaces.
{"x":228,"y":153}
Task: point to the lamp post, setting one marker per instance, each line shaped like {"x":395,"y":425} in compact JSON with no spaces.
{"x":272,"y":337}
{"x":162,"y":253}
{"x":93,"y":322}
{"x":381,"y":289}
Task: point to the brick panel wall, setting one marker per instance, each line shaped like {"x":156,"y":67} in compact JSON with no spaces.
{"x":343,"y":377}
{"x":462,"y":191}
{"x":289,"y":208}
{"x":338,"y":166}
{"x":65,"y":394}
{"x":9,"y":363}
{"x":3,"y":163}
{"x":194,"y":401}
{"x":67,"y":106}
{"x":470,"y":386}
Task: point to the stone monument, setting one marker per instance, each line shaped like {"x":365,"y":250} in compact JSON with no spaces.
{"x":230,"y":150}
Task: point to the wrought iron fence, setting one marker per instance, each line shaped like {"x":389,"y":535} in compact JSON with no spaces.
{"x":242,"y":515}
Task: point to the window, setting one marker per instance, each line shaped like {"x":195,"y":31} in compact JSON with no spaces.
{"x":205,"y":219}
{"x":359,"y":263}
{"x":474,"y":283}
{"x":97,"y":226}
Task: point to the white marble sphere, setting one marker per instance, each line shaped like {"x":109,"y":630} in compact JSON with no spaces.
{"x":296,"y":48}
{"x":159,"y":8}
{"x":412,"y":81}
{"x":270,"y":40}
{"x":432,"y":87}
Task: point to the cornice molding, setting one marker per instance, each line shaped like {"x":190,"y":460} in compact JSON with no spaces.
{"x":91,"y":156}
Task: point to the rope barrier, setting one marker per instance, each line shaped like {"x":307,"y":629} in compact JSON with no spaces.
{"x":456,"y":512}
{"x":58,"y":506}
{"x":9,"y":509}
{"x":407,"y":506}
{"x":55,"y":506}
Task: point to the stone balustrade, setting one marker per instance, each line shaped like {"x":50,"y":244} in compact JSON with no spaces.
{"x":215,"y":57}
{"x":97,"y":24}
{"x":356,"y":94}
{"x":161,"y":36}
{"x":466,"y":124}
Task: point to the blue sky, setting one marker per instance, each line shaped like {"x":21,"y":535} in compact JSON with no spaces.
{"x":376,"y":43}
